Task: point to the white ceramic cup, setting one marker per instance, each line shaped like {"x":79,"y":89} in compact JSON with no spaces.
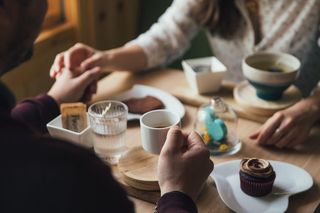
{"x":154,"y":126}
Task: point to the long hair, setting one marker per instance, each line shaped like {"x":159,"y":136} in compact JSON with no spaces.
{"x":220,"y":17}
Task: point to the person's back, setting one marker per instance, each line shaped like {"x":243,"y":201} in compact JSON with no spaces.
{"x":42,"y":174}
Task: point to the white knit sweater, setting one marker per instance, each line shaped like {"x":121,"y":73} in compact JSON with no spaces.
{"x":290,"y":26}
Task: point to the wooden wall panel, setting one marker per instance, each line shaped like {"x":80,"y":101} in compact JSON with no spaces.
{"x":103,"y":24}
{"x":114,"y":22}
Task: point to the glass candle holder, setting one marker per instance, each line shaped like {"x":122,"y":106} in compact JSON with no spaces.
{"x":217,"y":125}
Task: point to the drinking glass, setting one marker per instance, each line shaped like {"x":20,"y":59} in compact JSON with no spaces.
{"x":108,"y":120}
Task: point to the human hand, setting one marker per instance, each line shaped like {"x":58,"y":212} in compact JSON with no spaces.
{"x":184,"y":163}
{"x":78,"y":58}
{"x":71,"y":87}
{"x":289,"y":127}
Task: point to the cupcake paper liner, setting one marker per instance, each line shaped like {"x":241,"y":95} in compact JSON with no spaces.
{"x":255,"y":188}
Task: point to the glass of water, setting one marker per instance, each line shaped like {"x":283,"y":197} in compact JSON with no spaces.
{"x":108,"y":120}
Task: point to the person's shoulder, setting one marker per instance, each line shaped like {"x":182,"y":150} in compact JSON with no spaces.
{"x":27,"y":145}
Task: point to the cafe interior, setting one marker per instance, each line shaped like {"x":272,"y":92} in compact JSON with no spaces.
{"x":127,"y":122}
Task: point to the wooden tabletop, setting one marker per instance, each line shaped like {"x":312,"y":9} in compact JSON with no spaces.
{"x":307,"y":157}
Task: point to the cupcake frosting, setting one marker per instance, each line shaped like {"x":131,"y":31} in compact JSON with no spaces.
{"x":256,"y":167}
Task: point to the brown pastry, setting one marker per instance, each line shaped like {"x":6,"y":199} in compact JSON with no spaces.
{"x":143,"y":105}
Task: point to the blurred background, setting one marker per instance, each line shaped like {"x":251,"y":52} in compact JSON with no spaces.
{"x":103,"y":24}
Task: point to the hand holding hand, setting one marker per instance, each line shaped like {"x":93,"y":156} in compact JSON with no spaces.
{"x":73,"y":59}
{"x":184,"y":163}
{"x":289,"y":127}
{"x":71,"y":87}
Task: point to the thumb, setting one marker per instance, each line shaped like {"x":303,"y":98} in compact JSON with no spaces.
{"x":194,"y":139}
{"x":89,"y":76}
{"x":175,"y":140}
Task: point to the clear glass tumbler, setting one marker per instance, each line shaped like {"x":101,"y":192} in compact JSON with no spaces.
{"x":108,"y":120}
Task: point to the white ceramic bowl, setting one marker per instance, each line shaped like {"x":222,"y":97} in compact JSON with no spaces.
{"x":204,"y":75}
{"x":82,"y":138}
{"x":270,"y":85}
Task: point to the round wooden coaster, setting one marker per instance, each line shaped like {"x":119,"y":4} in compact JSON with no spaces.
{"x":246,"y":97}
{"x":139,"y":169}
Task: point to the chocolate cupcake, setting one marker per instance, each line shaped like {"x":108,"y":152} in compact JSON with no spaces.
{"x":256,"y":176}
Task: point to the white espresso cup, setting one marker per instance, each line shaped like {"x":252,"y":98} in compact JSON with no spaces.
{"x":154,"y":126}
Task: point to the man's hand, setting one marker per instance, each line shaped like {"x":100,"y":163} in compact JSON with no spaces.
{"x":71,"y":87}
{"x":184,"y":163}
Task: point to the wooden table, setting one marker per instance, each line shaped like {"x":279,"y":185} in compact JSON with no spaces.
{"x":307,"y":157}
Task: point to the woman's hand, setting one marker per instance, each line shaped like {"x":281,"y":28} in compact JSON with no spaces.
{"x":291,"y":126}
{"x":78,"y":58}
{"x":184,"y":163}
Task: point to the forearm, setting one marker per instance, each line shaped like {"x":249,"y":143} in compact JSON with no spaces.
{"x":128,"y":58}
{"x":36,"y":112}
{"x":312,"y":104}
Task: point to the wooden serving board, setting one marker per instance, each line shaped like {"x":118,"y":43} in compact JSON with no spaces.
{"x":136,"y":171}
{"x":208,"y":194}
{"x":139,"y":169}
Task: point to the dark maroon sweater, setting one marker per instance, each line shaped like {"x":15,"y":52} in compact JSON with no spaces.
{"x":43,"y":174}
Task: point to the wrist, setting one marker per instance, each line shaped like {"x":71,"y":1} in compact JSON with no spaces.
{"x":312,"y":104}
{"x":108,"y":58}
{"x":176,"y":188}
{"x":53,"y":95}
{"x":175,"y":201}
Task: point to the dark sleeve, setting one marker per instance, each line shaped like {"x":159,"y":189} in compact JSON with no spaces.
{"x":36,"y":112}
{"x":176,"y":202}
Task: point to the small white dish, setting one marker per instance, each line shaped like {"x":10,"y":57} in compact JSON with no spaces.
{"x":82,"y":138}
{"x":204,"y":75}
{"x":226,"y":177}
{"x":170,"y":102}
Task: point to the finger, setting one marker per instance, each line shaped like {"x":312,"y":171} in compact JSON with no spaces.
{"x":76,"y":55}
{"x":287,"y":139}
{"x":296,"y":142}
{"x":283,"y":130}
{"x":174,"y":141}
{"x":86,"y":97}
{"x":94,"y":87}
{"x":299,"y":140}
{"x":88,"y":77}
{"x":58,"y":65}
{"x":276,"y":136}
{"x":269,"y":127}
{"x":194,"y":139}
{"x":93,"y":61}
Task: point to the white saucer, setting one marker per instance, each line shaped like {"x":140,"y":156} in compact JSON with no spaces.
{"x":138,"y":91}
{"x":289,"y":180}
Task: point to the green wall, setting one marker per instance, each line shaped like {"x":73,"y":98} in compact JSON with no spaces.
{"x":150,"y":10}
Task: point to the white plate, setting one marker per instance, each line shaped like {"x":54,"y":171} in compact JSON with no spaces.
{"x":289,"y":180}
{"x":138,"y":91}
